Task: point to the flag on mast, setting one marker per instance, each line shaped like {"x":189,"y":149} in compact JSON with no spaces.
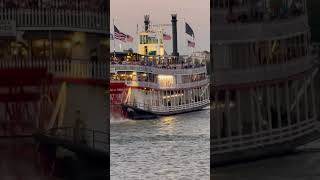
{"x":191,"y":44}
{"x":189,"y":30}
{"x":119,"y":35}
{"x":129,"y":38}
{"x":166,"y":37}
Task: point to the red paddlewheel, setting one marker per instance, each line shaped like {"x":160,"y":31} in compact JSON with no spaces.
{"x":118,"y":94}
{"x":24,"y":77}
{"x":21,"y":100}
{"x":26,"y":104}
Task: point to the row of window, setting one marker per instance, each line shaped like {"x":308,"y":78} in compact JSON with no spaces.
{"x":245,"y":55}
{"x":273,"y":4}
{"x":145,"y":39}
{"x":149,"y":77}
{"x":129,"y":76}
{"x":193,"y":78}
{"x":96,"y":5}
{"x":228,"y":3}
{"x":56,"y":17}
{"x":172,"y":98}
{"x":259,"y":11}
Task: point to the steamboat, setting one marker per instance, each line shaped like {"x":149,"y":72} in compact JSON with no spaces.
{"x":264,"y":100}
{"x":152,"y":83}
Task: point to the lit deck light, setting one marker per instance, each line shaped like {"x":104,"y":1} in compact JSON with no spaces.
{"x":165,"y":77}
{"x":67,"y":45}
{"x":165,"y":80}
{"x":78,"y":37}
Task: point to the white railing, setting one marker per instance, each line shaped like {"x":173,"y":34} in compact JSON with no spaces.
{"x":169,"y":87}
{"x":171,"y":109}
{"x":75,"y":69}
{"x":223,"y":11}
{"x":159,"y":70}
{"x":93,"y":138}
{"x":163,"y":109}
{"x":264,"y":72}
{"x":267,"y":137}
{"x":56,"y":19}
{"x":256,"y":31}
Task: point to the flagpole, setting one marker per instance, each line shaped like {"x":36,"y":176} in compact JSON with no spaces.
{"x":194,"y":41}
{"x":114,"y":40}
{"x":159,"y":38}
{"x":125,"y":44}
{"x":137,"y":41}
{"x":185,"y":37}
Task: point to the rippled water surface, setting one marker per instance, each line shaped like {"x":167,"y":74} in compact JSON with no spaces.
{"x":303,"y":165}
{"x":175,"y":147}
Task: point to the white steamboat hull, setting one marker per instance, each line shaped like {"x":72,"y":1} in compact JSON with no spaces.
{"x":167,"y":111}
{"x":166,"y":102}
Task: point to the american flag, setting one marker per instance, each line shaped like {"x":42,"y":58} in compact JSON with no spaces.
{"x":191,"y":44}
{"x":129,"y":38}
{"x":189,"y":30}
{"x":119,"y":35}
{"x":166,"y":37}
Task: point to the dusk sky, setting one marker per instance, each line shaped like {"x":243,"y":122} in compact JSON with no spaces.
{"x":128,"y":13}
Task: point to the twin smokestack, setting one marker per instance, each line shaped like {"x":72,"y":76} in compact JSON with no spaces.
{"x":174,"y":35}
{"x":146,"y":22}
{"x":174,"y":32}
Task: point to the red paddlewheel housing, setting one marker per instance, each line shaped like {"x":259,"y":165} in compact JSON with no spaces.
{"x":23,"y":95}
{"x":118,"y":94}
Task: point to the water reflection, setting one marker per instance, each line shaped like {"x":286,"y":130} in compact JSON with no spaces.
{"x":175,"y":147}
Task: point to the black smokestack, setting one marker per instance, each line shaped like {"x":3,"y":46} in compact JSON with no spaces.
{"x":146,"y":22}
{"x":174,"y":35}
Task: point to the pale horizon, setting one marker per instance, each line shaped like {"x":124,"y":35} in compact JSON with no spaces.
{"x":196,"y":14}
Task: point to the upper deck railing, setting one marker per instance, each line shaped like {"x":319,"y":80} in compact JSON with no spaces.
{"x":280,"y":28}
{"x":166,"y":87}
{"x":264,"y":138}
{"x":264,"y":72}
{"x":256,"y":11}
{"x":55,"y":19}
{"x":160,"y":69}
{"x":170,"y":109}
{"x":156,"y":64}
{"x":63,"y":68}
{"x":93,"y":138}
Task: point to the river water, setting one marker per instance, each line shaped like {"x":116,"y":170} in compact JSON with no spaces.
{"x":302,"y":165}
{"x":175,"y":147}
